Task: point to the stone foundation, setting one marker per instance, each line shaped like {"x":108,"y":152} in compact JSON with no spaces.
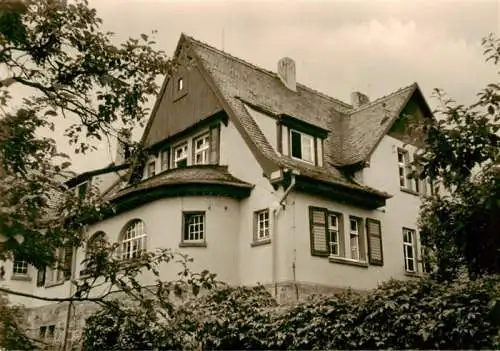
{"x":56,"y":314}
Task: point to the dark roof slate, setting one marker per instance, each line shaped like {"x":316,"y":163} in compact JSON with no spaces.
{"x":208,"y":174}
{"x":239,"y":81}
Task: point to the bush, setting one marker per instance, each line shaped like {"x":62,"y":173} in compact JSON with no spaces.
{"x":416,"y":314}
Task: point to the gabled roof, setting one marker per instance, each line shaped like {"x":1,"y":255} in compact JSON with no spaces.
{"x":366,"y":125}
{"x":353,"y":133}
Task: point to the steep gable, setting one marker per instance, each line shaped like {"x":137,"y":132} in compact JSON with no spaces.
{"x":185,"y":99}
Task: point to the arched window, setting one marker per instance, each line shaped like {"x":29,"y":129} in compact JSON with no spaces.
{"x":133,"y":241}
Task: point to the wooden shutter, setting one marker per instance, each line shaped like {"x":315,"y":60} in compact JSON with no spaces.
{"x":319,"y":231}
{"x":40,"y":277}
{"x":214,"y":144}
{"x":68,"y":260}
{"x":374,"y":236}
{"x":279,"y":138}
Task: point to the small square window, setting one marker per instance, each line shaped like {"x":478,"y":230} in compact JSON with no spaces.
{"x":180,"y":84}
{"x":262,"y":230}
{"x":194,"y":227}
{"x":20,"y":267}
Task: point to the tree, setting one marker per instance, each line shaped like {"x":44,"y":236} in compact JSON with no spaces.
{"x":72,"y":69}
{"x":462,"y":154}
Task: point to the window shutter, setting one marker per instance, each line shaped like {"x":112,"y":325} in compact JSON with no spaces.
{"x":319,"y":231}
{"x":374,"y":236}
{"x":279,"y":138}
{"x":68,"y":259}
{"x":40,"y":277}
{"x":214,"y":145}
{"x":285,"y":140}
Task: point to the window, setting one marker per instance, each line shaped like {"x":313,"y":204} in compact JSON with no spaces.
{"x":133,"y":241}
{"x":51,"y":331}
{"x":181,"y":155}
{"x":409,"y":250}
{"x":354,"y":238}
{"x":194,"y":227}
{"x":95,"y":242}
{"x":201,"y":150}
{"x":19,"y":267}
{"x":164,"y":160}
{"x":62,"y":269}
{"x":82,"y":189}
{"x":404,"y":169}
{"x":151,"y":170}
{"x":262,"y":225}
{"x":41,"y":334}
{"x":333,"y":230}
{"x":180,"y":84}
{"x":302,"y":146}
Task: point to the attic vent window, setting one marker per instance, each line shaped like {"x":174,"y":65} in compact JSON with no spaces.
{"x":180,"y":84}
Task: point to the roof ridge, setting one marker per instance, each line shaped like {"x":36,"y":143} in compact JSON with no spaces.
{"x":378,"y":100}
{"x":263,"y":70}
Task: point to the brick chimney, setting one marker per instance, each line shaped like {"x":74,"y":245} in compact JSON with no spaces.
{"x":286,"y":72}
{"x":358,"y":99}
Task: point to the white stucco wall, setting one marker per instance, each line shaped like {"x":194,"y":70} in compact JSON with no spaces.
{"x":255,"y":263}
{"x":402,"y":209}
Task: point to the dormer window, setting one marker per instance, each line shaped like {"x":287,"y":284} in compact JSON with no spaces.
{"x":302,"y":146}
{"x":181,"y":155}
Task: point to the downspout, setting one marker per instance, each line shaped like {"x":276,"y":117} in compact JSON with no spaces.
{"x":276,"y":210}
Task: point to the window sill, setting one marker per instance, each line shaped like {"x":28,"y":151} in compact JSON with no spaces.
{"x":22,"y":277}
{"x":50,"y":285}
{"x":409,"y":191}
{"x":188,"y":244}
{"x":261,"y":242}
{"x":347,"y":261}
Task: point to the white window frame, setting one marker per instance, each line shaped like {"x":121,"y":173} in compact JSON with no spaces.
{"x":333,"y":230}
{"x":262,"y":225}
{"x":183,"y":156}
{"x":303,"y":138}
{"x":403,"y":168}
{"x":203,"y":150}
{"x":354,"y":234}
{"x":19,"y":267}
{"x":410,"y":246}
{"x":56,"y":274}
{"x":194,"y":227}
{"x":133,"y":240}
{"x":164,"y":160}
{"x":151,"y":169}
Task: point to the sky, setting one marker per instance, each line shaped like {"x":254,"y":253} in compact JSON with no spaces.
{"x":339,"y":46}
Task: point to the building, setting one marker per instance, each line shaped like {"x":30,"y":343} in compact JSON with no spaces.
{"x":263,"y":180}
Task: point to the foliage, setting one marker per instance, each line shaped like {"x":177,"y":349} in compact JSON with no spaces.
{"x":68,"y":68}
{"x":462,"y":155}
{"x":11,"y":336}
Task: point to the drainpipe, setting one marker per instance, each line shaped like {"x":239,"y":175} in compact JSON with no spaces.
{"x":274,"y":242}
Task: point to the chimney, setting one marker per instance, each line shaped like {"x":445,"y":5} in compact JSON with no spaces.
{"x":286,"y":72}
{"x":359,"y":99}
{"x":123,"y":146}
